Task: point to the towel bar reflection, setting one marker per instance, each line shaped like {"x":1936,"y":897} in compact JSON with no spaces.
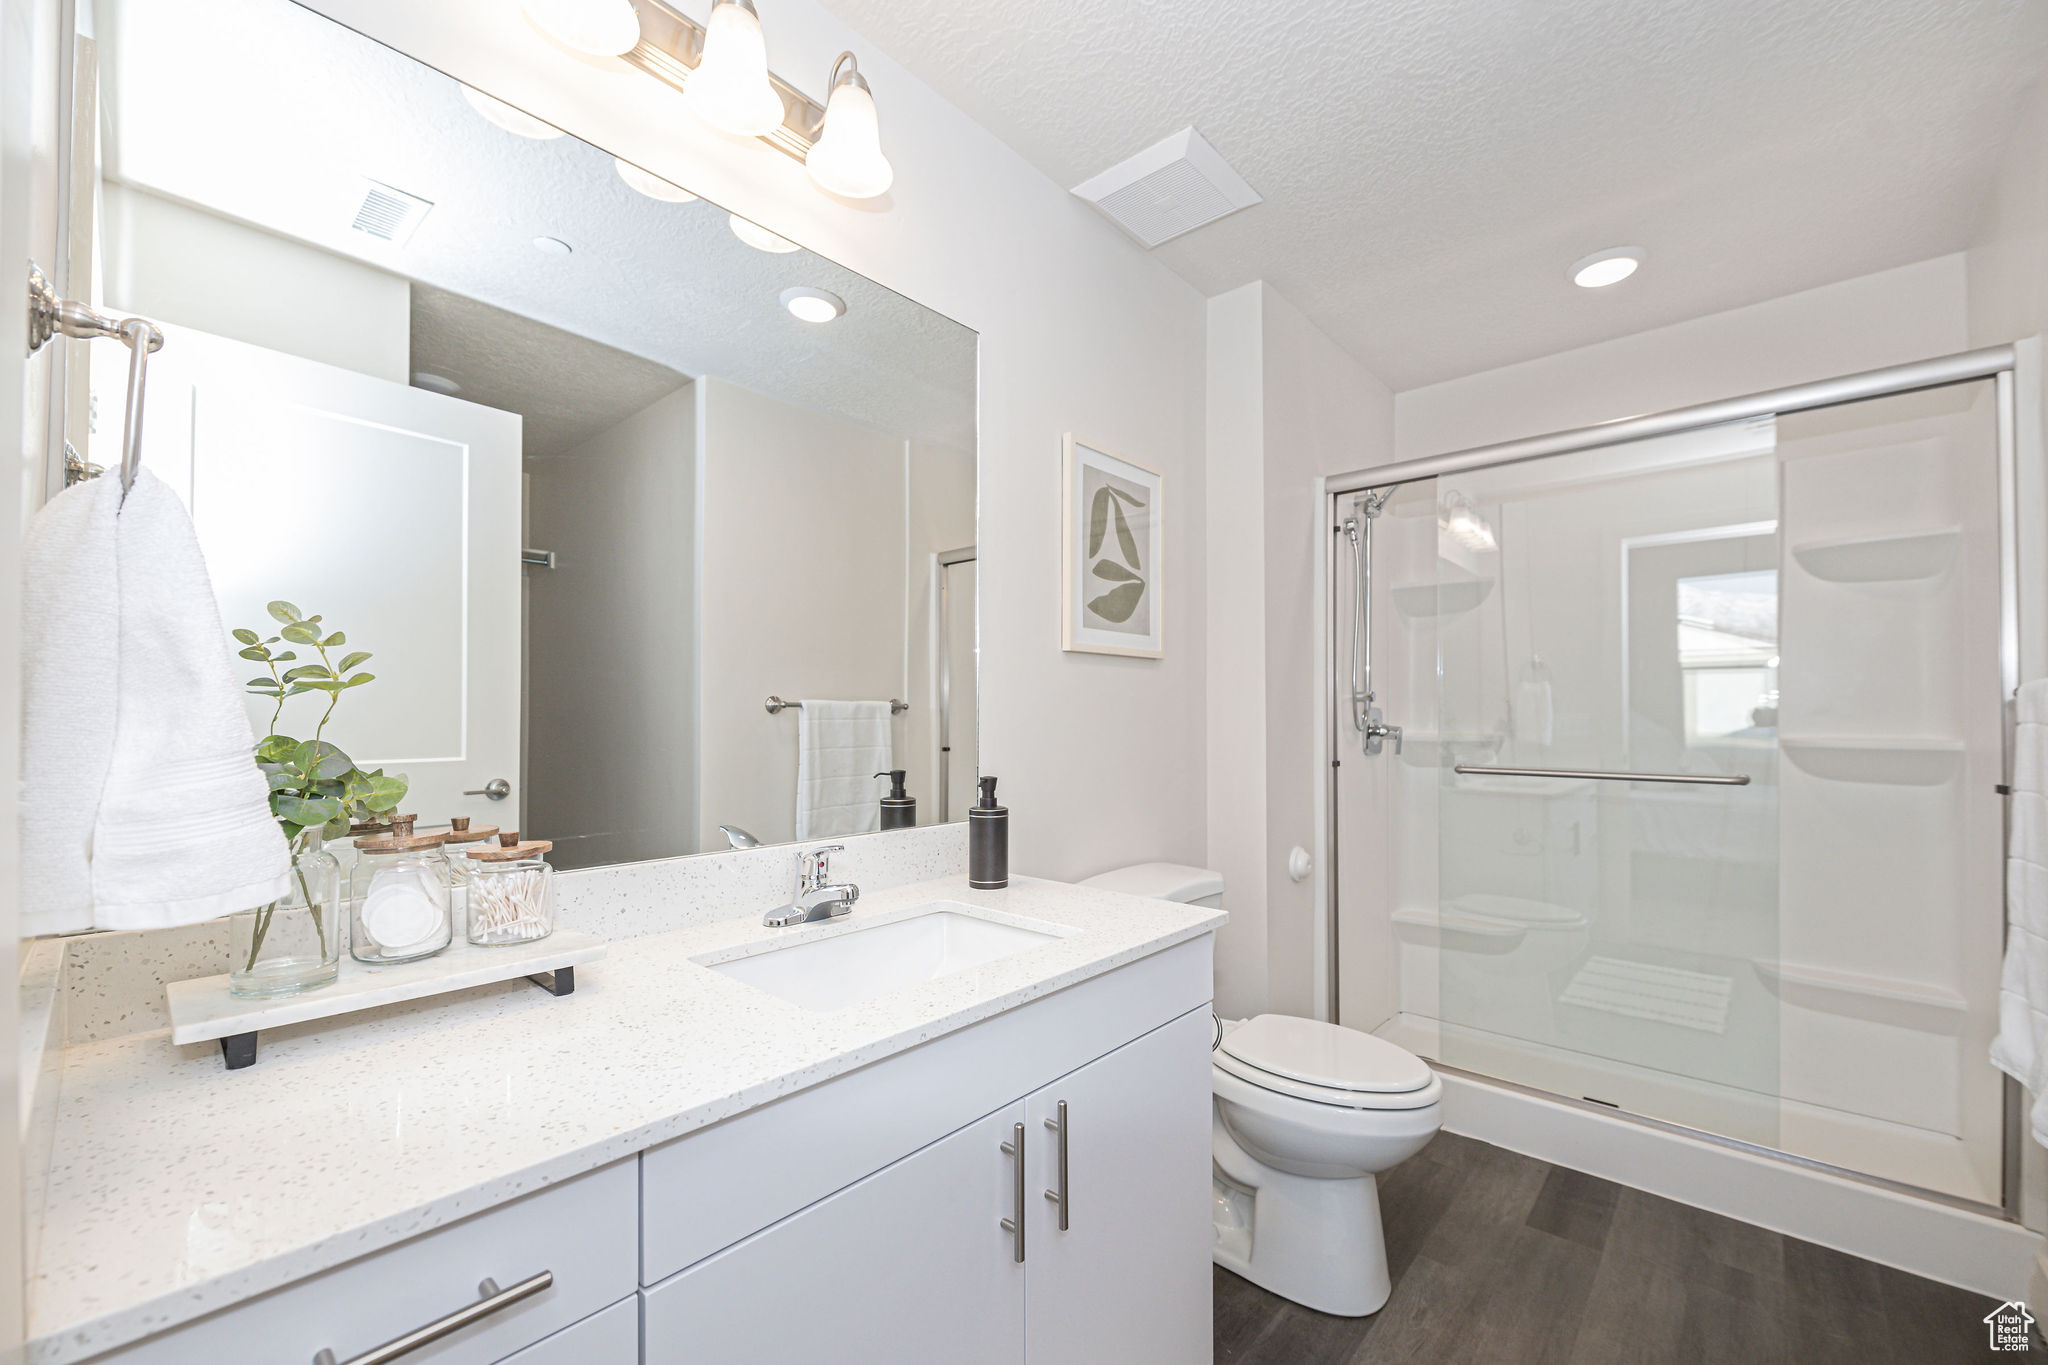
{"x":776,"y":704}
{"x":50,"y":316}
{"x":1601,"y":775}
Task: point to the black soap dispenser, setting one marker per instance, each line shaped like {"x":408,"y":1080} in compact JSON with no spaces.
{"x":988,"y":841}
{"x":899,"y":808}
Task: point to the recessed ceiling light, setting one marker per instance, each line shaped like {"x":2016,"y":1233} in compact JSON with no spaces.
{"x":1603,"y":268}
{"x":812,"y":305}
{"x":439,"y":383}
{"x":553,"y":246}
{"x":600,"y":28}
{"x":760,"y":238}
{"x":651,"y":185}
{"x":510,"y":119}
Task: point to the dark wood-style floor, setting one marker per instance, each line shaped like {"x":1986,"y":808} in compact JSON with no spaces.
{"x":1500,"y":1259}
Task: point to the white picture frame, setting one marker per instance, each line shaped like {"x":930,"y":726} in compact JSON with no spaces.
{"x":1111,"y":514}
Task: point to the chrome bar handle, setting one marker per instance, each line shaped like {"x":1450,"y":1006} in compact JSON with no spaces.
{"x":492,"y":1301}
{"x":1014,"y":1225}
{"x":49,"y":315}
{"x":1059,"y":1196}
{"x":1598,"y":775}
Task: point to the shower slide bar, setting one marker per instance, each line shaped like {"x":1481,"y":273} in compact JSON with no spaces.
{"x":1598,"y":775}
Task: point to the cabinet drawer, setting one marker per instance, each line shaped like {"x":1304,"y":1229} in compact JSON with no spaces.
{"x":611,"y":1337}
{"x":704,"y":1192}
{"x":584,"y":1231}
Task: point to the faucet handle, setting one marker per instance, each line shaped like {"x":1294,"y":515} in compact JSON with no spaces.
{"x":814,"y":865}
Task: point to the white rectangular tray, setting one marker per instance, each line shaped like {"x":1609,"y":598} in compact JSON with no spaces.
{"x":202,"y":1009}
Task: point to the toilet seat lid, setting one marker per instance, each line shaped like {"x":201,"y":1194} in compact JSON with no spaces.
{"x":1327,"y":1055}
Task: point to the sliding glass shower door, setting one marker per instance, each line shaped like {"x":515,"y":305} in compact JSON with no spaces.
{"x":1694,"y":806}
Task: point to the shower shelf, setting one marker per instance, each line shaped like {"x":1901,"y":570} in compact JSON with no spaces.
{"x":1452,"y":597}
{"x":1898,"y":558}
{"x":1906,"y":1004}
{"x":1894,"y":762}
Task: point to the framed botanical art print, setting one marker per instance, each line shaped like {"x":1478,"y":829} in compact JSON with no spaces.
{"x":1112,"y":542}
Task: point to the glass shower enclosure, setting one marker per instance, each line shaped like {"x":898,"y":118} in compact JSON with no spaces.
{"x":1677,"y":790}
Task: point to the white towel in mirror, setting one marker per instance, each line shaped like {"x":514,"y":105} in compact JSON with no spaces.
{"x":841,"y":745}
{"x":2021,"y":1048}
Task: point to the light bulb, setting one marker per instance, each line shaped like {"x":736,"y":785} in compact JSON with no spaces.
{"x":847,"y":157}
{"x":652,"y":185}
{"x":602,"y":28}
{"x":813,"y":305}
{"x":1603,"y":268}
{"x":760,"y":238}
{"x":729,"y":89}
{"x":510,"y":119}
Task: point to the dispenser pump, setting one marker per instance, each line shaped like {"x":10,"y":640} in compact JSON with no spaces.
{"x":896,"y":776}
{"x":899,"y":808}
{"x":988,"y":841}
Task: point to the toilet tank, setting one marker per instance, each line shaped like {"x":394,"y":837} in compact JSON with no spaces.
{"x":1165,"y":882}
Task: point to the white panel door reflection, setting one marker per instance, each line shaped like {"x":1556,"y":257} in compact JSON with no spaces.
{"x":392,"y":512}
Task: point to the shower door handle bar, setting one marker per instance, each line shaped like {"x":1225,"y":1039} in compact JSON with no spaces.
{"x":1599,"y":775}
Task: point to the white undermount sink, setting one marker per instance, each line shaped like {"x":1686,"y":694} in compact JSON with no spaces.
{"x":863,"y":962}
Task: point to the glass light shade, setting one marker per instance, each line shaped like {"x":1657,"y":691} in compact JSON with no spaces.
{"x":602,"y":28}
{"x":760,"y":238}
{"x":847,"y":158}
{"x":510,"y":119}
{"x":652,"y":185}
{"x":729,"y":89}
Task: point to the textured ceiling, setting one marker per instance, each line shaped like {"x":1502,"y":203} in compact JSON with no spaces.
{"x":1430,"y":167}
{"x":268,"y":113}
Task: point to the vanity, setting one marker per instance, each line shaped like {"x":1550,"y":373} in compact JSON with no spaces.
{"x":954,"y":1125}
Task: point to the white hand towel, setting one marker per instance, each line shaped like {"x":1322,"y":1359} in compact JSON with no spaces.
{"x":840,"y":746}
{"x":68,"y":632}
{"x":184,"y":831}
{"x":2021,"y":1048}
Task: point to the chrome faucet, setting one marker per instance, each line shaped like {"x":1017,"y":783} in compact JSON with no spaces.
{"x":815,"y":897}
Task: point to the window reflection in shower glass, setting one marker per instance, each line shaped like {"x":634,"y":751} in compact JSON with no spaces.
{"x":1727,"y":632}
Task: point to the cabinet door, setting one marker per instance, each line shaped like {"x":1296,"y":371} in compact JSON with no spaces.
{"x":1128,"y":1280}
{"x":910,"y":1264}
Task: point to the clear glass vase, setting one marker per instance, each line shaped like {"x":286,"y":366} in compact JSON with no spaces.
{"x":294,"y":943}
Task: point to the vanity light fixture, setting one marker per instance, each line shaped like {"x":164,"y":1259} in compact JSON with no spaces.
{"x":847,"y":157}
{"x":652,"y":185}
{"x":813,"y":305}
{"x":599,"y":28}
{"x":1603,"y":268}
{"x":511,"y":120}
{"x":760,"y":238}
{"x":729,"y":89}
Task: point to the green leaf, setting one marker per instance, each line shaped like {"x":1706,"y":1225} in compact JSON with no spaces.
{"x":306,"y":671}
{"x":338,"y":638}
{"x":276,"y":748}
{"x":283,"y":781}
{"x":322,"y":684}
{"x":336,"y":827}
{"x":256,"y":652}
{"x":1098,"y":520}
{"x":285,"y":656}
{"x":385,"y":793}
{"x":300,"y":634}
{"x":352,"y":660}
{"x":246,"y":636}
{"x":359,"y":679}
{"x":265,"y":681}
{"x":1118,"y":603}
{"x":284,"y":611}
{"x":1114,"y":572}
{"x":321,"y":761}
{"x":1124,"y":537}
{"x":305,"y":812}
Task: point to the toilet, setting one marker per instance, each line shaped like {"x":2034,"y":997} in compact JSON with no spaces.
{"x":1306,"y":1116}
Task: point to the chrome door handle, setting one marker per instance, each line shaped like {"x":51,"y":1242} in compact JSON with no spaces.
{"x":1059,"y":1196}
{"x":1603,"y":775}
{"x":1013,"y":1225}
{"x":493,"y":1299}
{"x":497,"y":789}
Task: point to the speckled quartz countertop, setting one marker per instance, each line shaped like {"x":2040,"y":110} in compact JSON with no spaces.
{"x":177,"y":1188}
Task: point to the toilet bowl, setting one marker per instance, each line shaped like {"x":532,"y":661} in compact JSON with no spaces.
{"x":1307,"y":1115}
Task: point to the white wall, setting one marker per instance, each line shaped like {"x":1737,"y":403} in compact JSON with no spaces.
{"x":1894,"y":316}
{"x":802,"y":562}
{"x":1101,"y":758}
{"x":1285,"y":406}
{"x":938,"y":500}
{"x":173,"y":263}
{"x":612,"y":641}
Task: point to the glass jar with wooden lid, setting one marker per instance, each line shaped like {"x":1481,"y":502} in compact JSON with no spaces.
{"x":399,"y":896}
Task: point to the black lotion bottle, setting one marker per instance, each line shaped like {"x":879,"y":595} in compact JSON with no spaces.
{"x":899,"y":808}
{"x":988,"y":841}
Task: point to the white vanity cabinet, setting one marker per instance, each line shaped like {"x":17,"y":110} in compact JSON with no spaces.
{"x":913,"y":1262}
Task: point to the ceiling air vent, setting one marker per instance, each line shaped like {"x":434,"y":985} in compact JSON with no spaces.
{"x":1171,"y":187}
{"x":388,"y":213}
